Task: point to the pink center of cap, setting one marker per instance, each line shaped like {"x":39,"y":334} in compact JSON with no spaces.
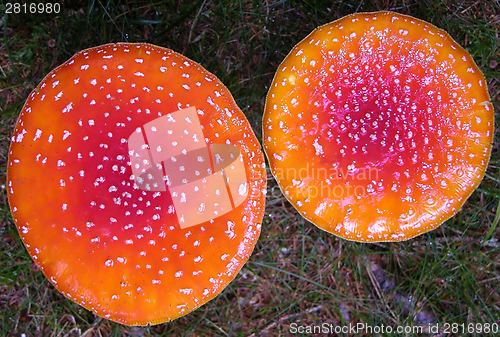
{"x":170,"y":154}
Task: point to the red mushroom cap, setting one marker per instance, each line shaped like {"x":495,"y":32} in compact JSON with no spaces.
{"x":378,"y":127}
{"x":106,"y":236}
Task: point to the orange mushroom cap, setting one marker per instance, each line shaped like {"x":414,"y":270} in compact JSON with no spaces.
{"x":105,"y":241}
{"x":378,"y":127}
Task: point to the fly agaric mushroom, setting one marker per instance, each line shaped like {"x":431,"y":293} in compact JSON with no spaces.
{"x":378,"y":127}
{"x":91,"y":178}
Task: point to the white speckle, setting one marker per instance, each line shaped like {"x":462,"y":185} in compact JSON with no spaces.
{"x":242,"y":190}
{"x":38,"y":133}
{"x":93,"y":81}
{"x":20,"y":137}
{"x":318,"y":147}
{"x":186,"y":291}
{"x":68,"y":108}
{"x":66,"y":134}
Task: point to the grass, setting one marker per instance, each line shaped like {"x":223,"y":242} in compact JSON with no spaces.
{"x":298,"y":273}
